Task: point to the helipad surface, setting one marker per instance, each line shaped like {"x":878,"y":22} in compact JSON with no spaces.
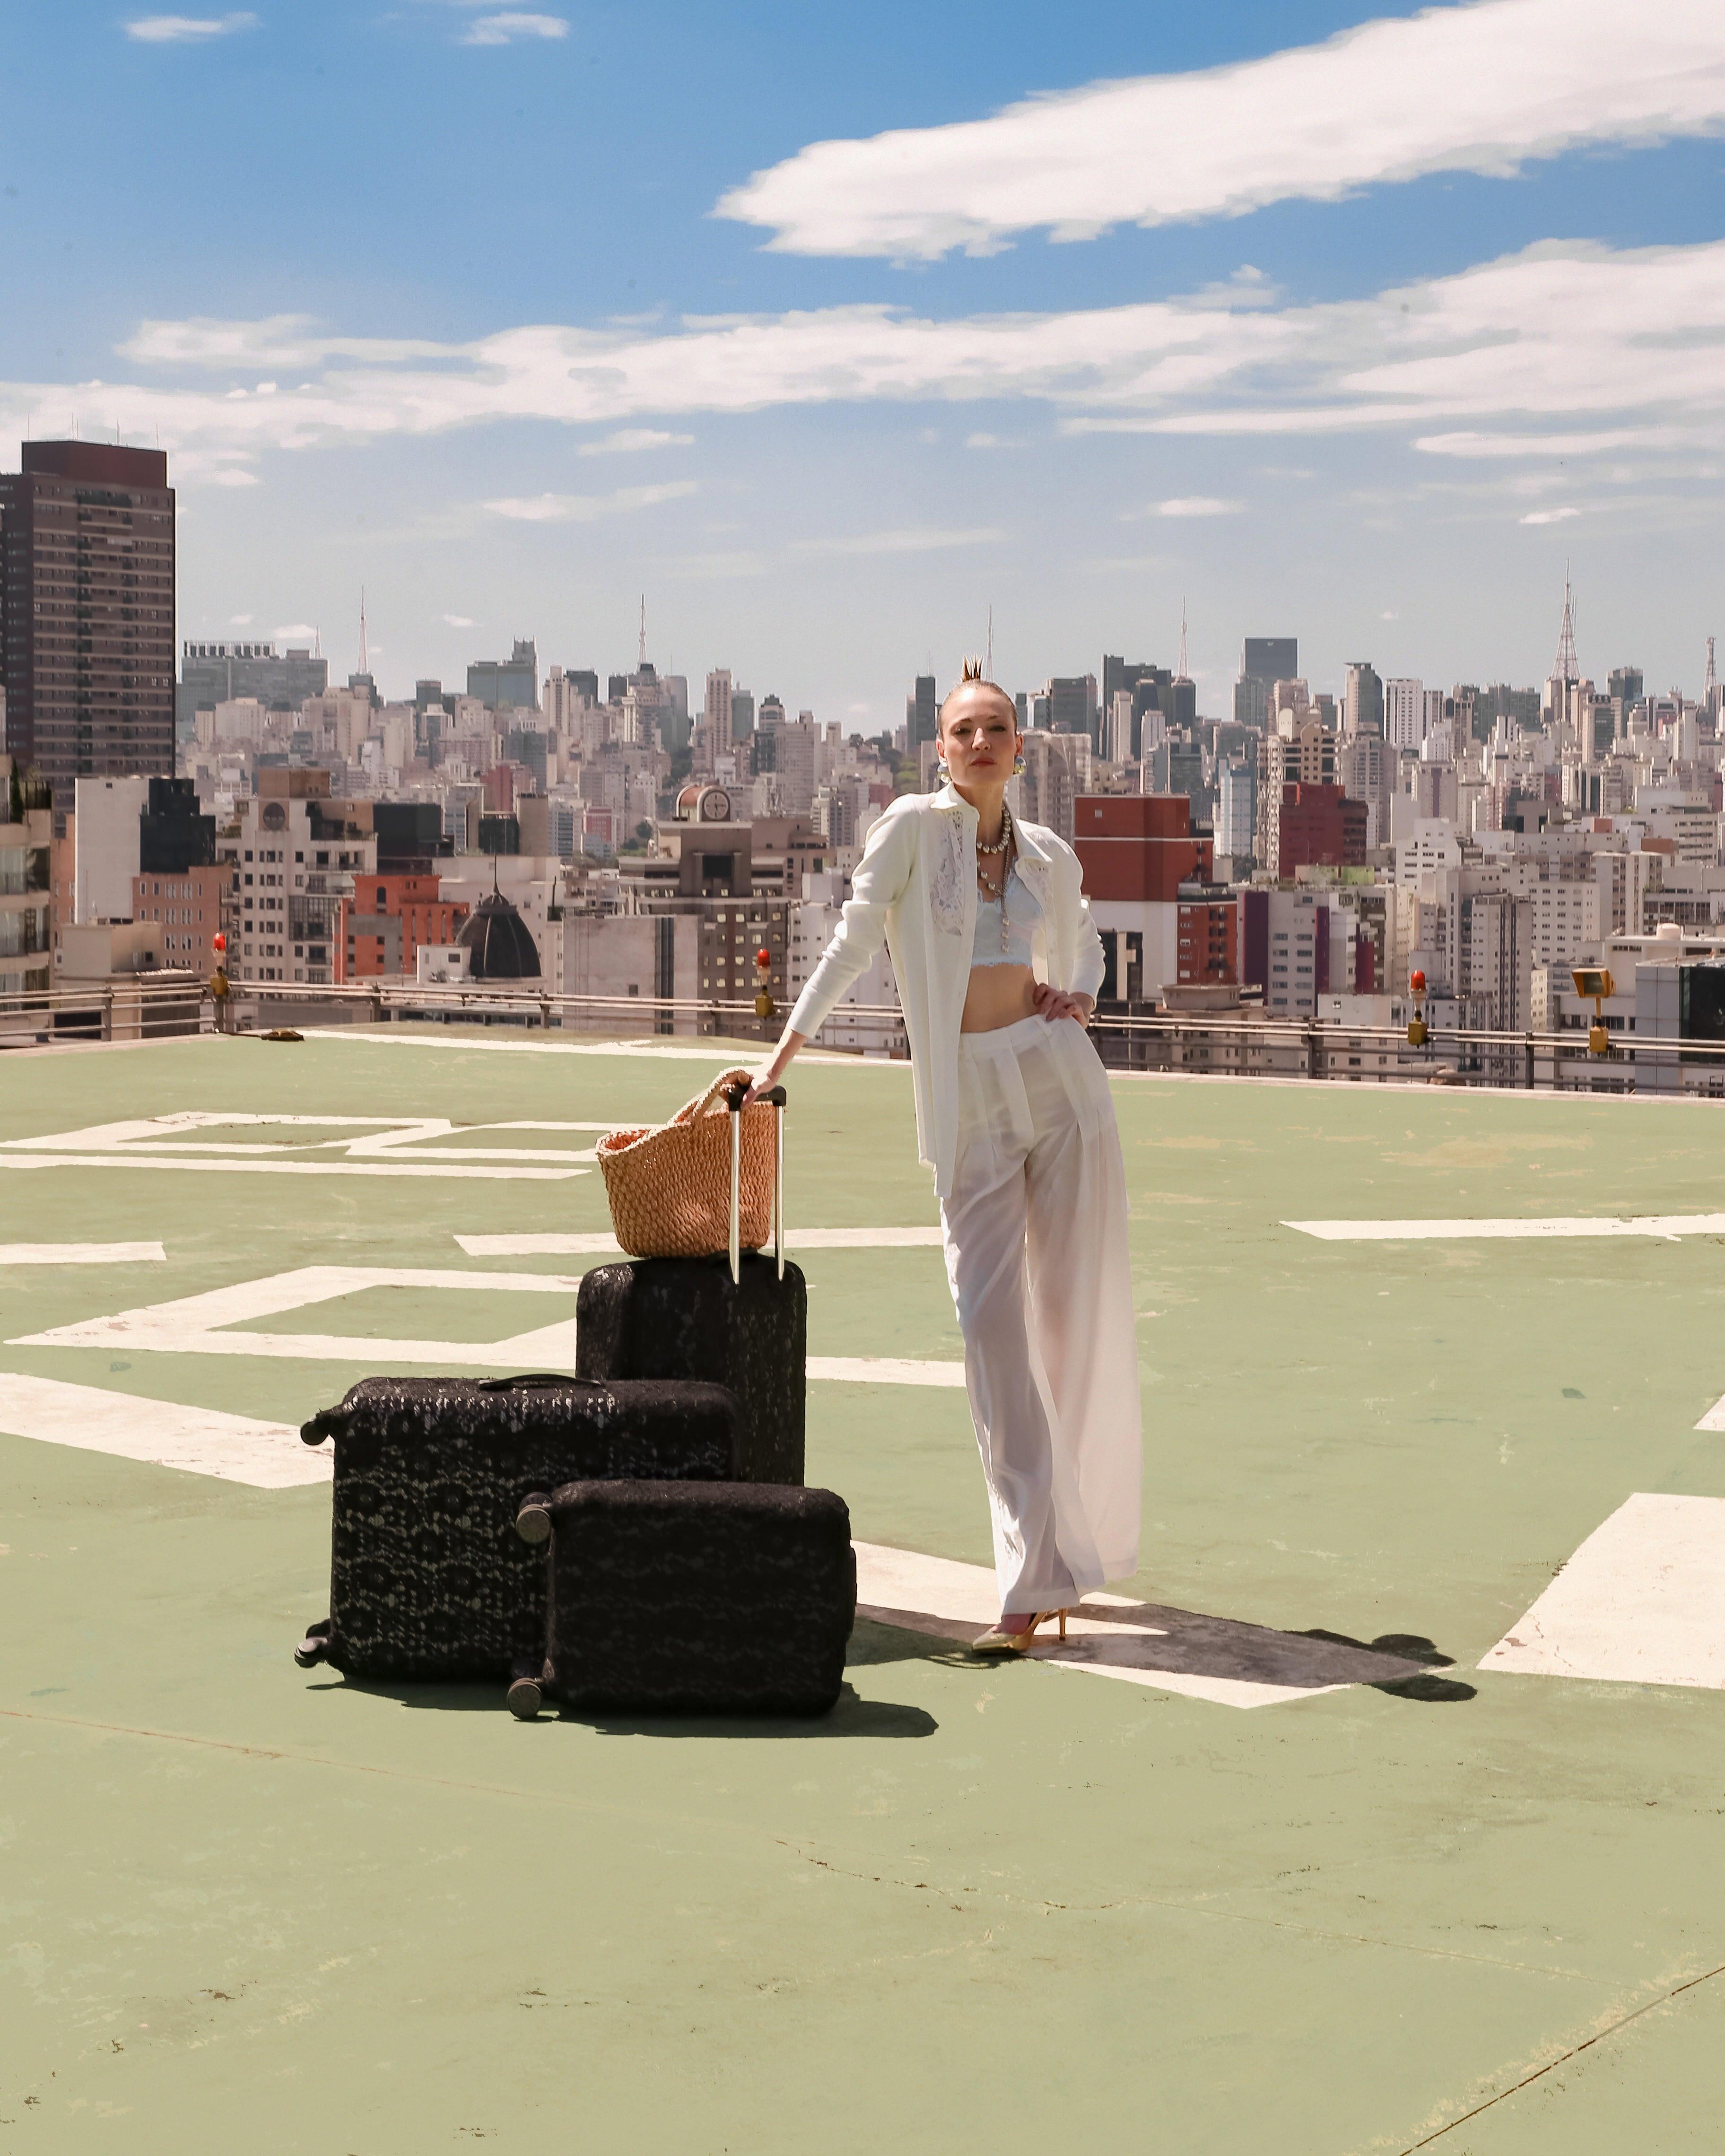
{"x":1272,"y":1893}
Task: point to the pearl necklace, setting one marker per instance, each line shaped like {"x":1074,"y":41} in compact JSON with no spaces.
{"x":990,"y":889}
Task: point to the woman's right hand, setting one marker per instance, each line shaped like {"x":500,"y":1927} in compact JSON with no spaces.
{"x":774,"y":1068}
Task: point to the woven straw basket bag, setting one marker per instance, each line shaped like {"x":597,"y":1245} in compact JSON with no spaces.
{"x":670,"y":1187}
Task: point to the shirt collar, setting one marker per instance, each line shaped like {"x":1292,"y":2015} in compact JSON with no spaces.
{"x":949,"y":798}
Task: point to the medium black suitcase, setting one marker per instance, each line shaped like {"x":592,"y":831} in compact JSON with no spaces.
{"x":429,"y":1575}
{"x":683,"y":1317}
{"x":692,"y":1598}
{"x":741,"y":1321}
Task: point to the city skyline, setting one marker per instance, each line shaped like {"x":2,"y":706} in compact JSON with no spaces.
{"x":789,"y":380}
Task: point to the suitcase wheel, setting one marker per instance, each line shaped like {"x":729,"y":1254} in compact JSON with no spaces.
{"x":532,"y":1520}
{"x":526,"y":1698}
{"x":311,"y":1651}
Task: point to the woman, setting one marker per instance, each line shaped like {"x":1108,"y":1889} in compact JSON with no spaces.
{"x":998,"y":964}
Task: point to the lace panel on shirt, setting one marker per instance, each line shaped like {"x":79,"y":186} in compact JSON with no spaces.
{"x":945,"y":885}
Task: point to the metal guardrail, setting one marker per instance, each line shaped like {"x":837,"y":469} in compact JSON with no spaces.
{"x":1191,"y":1044}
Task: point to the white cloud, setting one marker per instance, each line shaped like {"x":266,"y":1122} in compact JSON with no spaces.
{"x":505,"y":30}
{"x":1549,"y":515}
{"x":911,"y":542}
{"x":1563,"y":350}
{"x":584,"y":508}
{"x":187,"y":29}
{"x":460,"y":621}
{"x":1196,"y":504}
{"x":1479,"y":89}
{"x":628,"y":440}
{"x":302,"y":632}
{"x":240,"y":620}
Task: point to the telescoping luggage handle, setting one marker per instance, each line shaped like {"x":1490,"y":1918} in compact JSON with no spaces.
{"x":734,"y":1098}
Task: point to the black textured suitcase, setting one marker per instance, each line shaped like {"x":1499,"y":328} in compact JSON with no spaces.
{"x":692,"y":1598}
{"x":740,"y":1321}
{"x":429,"y":1577}
{"x":683,"y":1317}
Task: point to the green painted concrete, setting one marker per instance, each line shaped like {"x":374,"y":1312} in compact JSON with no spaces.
{"x":981,"y":1908}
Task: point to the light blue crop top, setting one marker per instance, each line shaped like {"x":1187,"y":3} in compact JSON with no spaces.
{"x":1005,"y":927}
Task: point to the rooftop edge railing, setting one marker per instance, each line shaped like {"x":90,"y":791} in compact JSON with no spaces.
{"x":1195,"y":1044}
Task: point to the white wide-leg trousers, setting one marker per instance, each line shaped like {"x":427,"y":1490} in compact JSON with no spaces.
{"x":1038,"y":1261}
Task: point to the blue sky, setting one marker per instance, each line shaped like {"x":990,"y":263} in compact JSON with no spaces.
{"x":511,"y":315}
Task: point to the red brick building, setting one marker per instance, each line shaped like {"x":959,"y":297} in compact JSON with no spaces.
{"x":386,"y":920}
{"x":1207,"y":935}
{"x":1137,"y":846}
{"x":1321,"y":828}
{"x":188,"y":904}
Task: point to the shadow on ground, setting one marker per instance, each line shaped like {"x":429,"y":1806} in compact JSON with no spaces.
{"x":851,"y":1716}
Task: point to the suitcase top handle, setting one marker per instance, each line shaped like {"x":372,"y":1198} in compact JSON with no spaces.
{"x":332,"y":1422}
{"x":737,"y":1091}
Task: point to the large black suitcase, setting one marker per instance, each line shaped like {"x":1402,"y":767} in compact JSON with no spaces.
{"x":429,"y":1575}
{"x":692,"y":1598}
{"x":685,"y":1318}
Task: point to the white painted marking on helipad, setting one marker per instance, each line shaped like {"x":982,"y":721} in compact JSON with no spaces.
{"x":82,"y":1254}
{"x":715,"y":1059}
{"x":884,"y":1370}
{"x":540,"y":1246}
{"x":269,"y":1456}
{"x":796,"y":1239}
{"x":1642,"y":1601}
{"x":198,"y":1325}
{"x":1662,"y":1226}
{"x":1177,"y":1650}
{"x":373,"y":1145}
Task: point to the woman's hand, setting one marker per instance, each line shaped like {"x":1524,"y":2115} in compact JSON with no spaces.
{"x":1054,"y":1003}
{"x":774,"y":1068}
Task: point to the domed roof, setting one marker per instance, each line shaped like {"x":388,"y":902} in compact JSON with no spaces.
{"x":499,"y":941}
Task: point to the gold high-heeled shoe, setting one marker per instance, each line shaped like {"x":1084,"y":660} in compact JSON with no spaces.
{"x":994,"y":1641}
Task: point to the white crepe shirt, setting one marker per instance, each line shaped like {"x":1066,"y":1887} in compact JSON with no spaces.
{"x":914,"y":890}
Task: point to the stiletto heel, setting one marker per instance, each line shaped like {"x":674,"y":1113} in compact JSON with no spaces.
{"x":996,"y":1641}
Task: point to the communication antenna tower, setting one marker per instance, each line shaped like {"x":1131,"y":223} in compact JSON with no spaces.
{"x":1566,"y":669}
{"x":1182,"y":673}
{"x":364,"y":667}
{"x":988,"y":663}
{"x":643,"y":632}
{"x":1710,"y":686}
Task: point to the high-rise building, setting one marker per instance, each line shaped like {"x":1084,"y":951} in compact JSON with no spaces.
{"x":718,"y":708}
{"x":921,"y":712}
{"x":212,"y":674}
{"x":1264,"y":660}
{"x":1363,"y":699}
{"x":1404,"y":713}
{"x":1627,"y":682}
{"x":87,"y":611}
{"x":512,"y":680}
{"x":743,"y":713}
{"x":1237,"y":809}
{"x":1072,"y":704}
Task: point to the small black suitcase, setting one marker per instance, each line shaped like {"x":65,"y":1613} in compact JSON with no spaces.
{"x":428,"y":1576}
{"x":741,"y":1323}
{"x":692,"y":1598}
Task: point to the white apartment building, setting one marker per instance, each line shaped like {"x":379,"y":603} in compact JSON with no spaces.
{"x":1405,"y":713}
{"x":813,"y":921}
{"x":294,"y":859}
{"x":105,"y":844}
{"x":1290,"y":964}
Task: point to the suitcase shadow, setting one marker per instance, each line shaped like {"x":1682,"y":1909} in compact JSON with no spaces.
{"x":851,"y":1716}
